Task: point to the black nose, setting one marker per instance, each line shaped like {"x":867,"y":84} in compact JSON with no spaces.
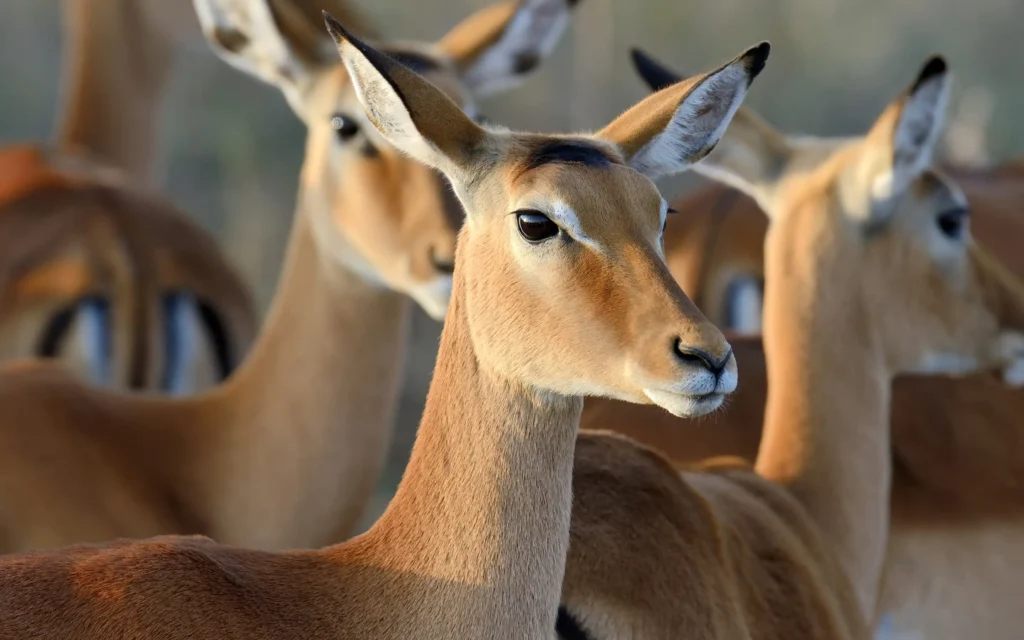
{"x":444,"y":265}
{"x":698,"y":357}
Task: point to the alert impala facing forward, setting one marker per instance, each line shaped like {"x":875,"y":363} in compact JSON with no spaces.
{"x":286,"y":452}
{"x":903,"y":279}
{"x":473,"y":544}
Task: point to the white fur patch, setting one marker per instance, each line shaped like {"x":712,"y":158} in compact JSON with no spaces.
{"x":434,"y":296}
{"x":90,"y":336}
{"x":886,"y":630}
{"x":698,"y":123}
{"x":1010,"y":350}
{"x":565,"y":217}
{"x":264,"y":53}
{"x":531,"y":34}
{"x":946,"y":364}
{"x":745,"y":305}
{"x":184,"y":337}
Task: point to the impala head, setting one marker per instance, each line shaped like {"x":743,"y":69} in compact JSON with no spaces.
{"x":876,"y":237}
{"x":379,"y":212}
{"x":560,"y":262}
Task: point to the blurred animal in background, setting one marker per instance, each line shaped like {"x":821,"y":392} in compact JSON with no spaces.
{"x":957,"y":504}
{"x":287,"y":451}
{"x":716,"y":251}
{"x":112,"y":280}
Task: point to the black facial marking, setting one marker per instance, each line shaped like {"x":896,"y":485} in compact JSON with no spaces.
{"x":568,"y":152}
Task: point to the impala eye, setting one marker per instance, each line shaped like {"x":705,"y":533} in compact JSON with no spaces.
{"x":534,"y":226}
{"x":951,"y":223}
{"x":344,"y":127}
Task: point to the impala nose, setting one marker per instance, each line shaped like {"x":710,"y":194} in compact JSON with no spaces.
{"x":700,"y":358}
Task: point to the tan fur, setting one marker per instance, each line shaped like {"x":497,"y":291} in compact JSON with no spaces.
{"x":287,"y":451}
{"x":71,"y":230}
{"x":473,"y":544}
{"x":957,"y":503}
{"x":830,"y":360}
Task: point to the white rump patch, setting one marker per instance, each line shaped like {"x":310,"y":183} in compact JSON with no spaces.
{"x":744,"y":306}
{"x":697,"y":125}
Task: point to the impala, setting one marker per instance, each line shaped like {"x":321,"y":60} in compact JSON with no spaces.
{"x":957,"y":476}
{"x":288,"y":450}
{"x":111,"y":280}
{"x":560,"y":290}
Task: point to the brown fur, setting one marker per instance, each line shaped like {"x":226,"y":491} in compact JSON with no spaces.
{"x":473,"y":544}
{"x":800,"y":248}
{"x":958,"y":476}
{"x":69,"y":231}
{"x":286,"y":452}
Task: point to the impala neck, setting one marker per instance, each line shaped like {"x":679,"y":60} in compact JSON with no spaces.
{"x":826,"y":438}
{"x":311,"y":410}
{"x":116,"y":64}
{"x":479,"y":527}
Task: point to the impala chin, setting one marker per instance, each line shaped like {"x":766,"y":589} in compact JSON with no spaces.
{"x":434,"y":296}
{"x":683,"y":405}
{"x":698,"y":395}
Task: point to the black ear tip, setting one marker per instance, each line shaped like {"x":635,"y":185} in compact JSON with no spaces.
{"x":656,"y":75}
{"x":573,"y":3}
{"x":637,"y":55}
{"x":935,"y":66}
{"x":334,"y":28}
{"x":757,"y":57}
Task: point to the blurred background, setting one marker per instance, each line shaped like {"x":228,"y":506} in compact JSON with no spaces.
{"x":231,"y":148}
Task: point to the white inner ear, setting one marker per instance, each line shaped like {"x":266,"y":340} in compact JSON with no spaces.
{"x":531,"y":34}
{"x":264,"y":54}
{"x":698,"y":124}
{"x":916,"y":136}
{"x":385,"y":108}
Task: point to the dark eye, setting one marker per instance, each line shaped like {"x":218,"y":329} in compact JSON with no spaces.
{"x":345,"y":127}
{"x":952,"y":222}
{"x":534,"y":226}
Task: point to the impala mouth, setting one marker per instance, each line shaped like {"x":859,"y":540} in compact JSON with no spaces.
{"x":434,"y":296}
{"x":685,"y":405}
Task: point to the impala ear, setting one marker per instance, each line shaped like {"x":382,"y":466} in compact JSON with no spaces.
{"x":902,"y":141}
{"x":499,"y":46}
{"x":680,"y":124}
{"x":412,"y":114}
{"x":656,"y":75}
{"x":750,"y":155}
{"x":246,"y":35}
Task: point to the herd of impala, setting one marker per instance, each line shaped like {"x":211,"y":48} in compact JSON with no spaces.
{"x":168,"y":469}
